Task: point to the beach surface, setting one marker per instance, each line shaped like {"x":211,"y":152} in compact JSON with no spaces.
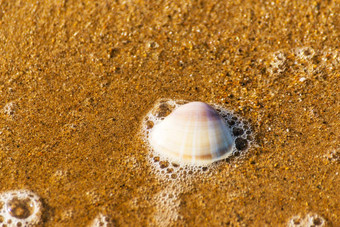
{"x":78,"y":78}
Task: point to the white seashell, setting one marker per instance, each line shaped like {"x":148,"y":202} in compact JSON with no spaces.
{"x":193,"y":134}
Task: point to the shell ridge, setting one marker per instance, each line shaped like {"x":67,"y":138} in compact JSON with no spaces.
{"x":183,"y":146}
{"x":194,"y":142}
{"x":212,"y":138}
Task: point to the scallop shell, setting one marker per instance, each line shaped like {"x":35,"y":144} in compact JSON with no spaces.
{"x":193,"y":133}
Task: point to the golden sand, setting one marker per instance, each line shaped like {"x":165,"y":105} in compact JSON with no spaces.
{"x":76,"y":80}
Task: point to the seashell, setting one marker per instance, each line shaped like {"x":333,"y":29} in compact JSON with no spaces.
{"x":194,"y":134}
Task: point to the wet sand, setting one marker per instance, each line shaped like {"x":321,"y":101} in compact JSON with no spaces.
{"x":76,"y":80}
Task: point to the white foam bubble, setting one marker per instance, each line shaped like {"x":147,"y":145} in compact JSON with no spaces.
{"x":305,"y":53}
{"x":9,"y":109}
{"x":304,"y":60}
{"x":170,"y":170}
{"x":333,"y":155}
{"x":167,"y":204}
{"x":309,"y":220}
{"x":19,"y":208}
{"x":102,"y":221}
{"x":295,"y":221}
{"x":315,"y":220}
{"x":277,"y":64}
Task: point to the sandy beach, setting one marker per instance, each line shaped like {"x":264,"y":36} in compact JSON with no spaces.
{"x":78,"y":78}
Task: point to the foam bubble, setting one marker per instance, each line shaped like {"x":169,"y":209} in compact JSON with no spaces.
{"x":277,"y":64}
{"x":167,"y":204}
{"x":315,"y":220}
{"x":305,"y":53}
{"x":19,"y":208}
{"x":304,"y":60}
{"x":168,"y":169}
{"x":309,"y":220}
{"x":295,"y":221}
{"x":333,"y":155}
{"x":9,"y":109}
{"x":102,"y":221}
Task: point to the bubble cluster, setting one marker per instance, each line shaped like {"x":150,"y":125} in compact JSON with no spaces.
{"x":305,"y":60}
{"x":9,"y":109}
{"x":169,"y":170}
{"x":240,"y":130}
{"x":167,"y":204}
{"x":19,"y":208}
{"x":310,"y":220}
{"x":102,"y":221}
{"x":333,"y":156}
{"x":277,"y":65}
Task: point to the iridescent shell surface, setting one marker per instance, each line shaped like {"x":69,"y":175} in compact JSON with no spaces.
{"x":194,"y":133}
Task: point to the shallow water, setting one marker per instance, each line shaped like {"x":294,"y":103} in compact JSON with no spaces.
{"x":77,"y":79}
